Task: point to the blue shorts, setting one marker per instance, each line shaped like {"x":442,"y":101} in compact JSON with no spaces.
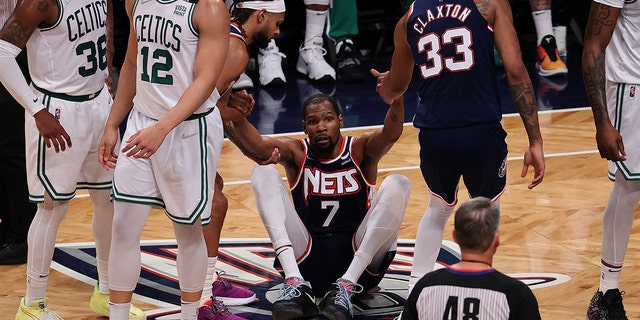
{"x":476,"y":153}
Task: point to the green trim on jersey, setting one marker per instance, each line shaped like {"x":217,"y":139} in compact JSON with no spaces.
{"x":204,"y":181}
{"x":133,"y":10}
{"x":192,"y":27}
{"x":617,"y":123}
{"x":123,"y":197}
{"x":60,"y":15}
{"x":41,"y":165}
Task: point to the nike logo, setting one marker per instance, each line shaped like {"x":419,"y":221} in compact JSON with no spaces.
{"x":312,"y":298}
{"x":35,"y":100}
{"x":615,"y":270}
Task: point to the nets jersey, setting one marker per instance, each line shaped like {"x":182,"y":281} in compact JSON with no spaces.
{"x":452,"y":45}
{"x":235,"y":32}
{"x":167,"y":44}
{"x":456,"y":295}
{"x":331,"y":196}
{"x":70,"y":57}
{"x":622,"y":55}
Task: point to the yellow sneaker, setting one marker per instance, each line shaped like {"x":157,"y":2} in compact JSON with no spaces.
{"x":99,"y":303}
{"x":36,"y":311}
{"x":549,"y":62}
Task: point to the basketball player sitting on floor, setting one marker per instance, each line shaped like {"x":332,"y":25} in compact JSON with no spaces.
{"x":336,"y":238}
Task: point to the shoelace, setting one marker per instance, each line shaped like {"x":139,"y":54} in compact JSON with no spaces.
{"x":343,"y":297}
{"x":219,"y":307}
{"x":288,"y":292}
{"x":225,"y":282}
{"x":272,"y":59}
{"x":318,"y":52}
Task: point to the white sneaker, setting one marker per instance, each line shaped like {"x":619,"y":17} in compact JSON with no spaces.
{"x":243,"y":82}
{"x":311,"y":62}
{"x":270,"y":66}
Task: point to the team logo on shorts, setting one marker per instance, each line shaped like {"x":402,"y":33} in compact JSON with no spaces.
{"x":503,"y":168}
{"x":632,"y":91}
{"x":249,"y":263}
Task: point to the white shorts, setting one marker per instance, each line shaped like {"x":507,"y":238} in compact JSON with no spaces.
{"x":180,"y":176}
{"x":623,"y":106}
{"x":60,"y":174}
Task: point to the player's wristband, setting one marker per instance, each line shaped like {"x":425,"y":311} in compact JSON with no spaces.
{"x":13,"y":80}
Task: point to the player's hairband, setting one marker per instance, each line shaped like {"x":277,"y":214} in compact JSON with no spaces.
{"x":273,"y":6}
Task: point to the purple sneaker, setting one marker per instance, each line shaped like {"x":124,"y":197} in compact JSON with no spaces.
{"x":212,"y":309}
{"x":231,"y":295}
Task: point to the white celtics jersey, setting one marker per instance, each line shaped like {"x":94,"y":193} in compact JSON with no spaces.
{"x":167,"y":44}
{"x":70,"y":57}
{"x":623,"y":51}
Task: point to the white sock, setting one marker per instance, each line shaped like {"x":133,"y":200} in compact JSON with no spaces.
{"x":543,"y":22}
{"x":119,"y":310}
{"x":103,"y":272}
{"x":208,"y":280}
{"x":188,"y":310}
{"x":609,"y":277}
{"x":315,"y":25}
{"x":288,"y":261}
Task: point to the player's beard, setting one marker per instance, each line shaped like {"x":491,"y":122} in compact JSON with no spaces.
{"x":262,"y":39}
{"x":325,"y":149}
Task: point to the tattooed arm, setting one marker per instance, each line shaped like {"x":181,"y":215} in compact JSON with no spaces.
{"x":27,"y":16}
{"x":600,"y":26}
{"x":498,"y":12}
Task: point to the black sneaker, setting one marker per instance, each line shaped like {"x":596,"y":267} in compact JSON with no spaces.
{"x":336,"y":304}
{"x":607,"y":306}
{"x":12,"y":252}
{"x":294,"y":300}
{"x":348,"y":62}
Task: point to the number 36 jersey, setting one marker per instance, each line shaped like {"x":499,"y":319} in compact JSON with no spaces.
{"x":453,"y":47}
{"x":331,"y":196}
{"x":70,"y":56}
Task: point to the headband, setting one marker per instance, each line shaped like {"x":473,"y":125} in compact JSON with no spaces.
{"x":272,"y":6}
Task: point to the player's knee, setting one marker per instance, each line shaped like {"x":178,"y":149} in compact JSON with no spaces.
{"x":263,"y":174}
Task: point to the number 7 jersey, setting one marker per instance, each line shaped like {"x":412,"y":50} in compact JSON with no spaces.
{"x":70,"y":56}
{"x":453,"y":47}
{"x":331,"y":196}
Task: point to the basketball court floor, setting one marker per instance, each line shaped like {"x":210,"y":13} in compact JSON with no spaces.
{"x":550,"y":236}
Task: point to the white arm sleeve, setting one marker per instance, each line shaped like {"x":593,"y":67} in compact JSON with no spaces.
{"x":13,"y":80}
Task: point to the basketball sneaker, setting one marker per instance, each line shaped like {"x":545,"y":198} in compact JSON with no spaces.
{"x":311,"y":62}
{"x":243,"y":82}
{"x":294,"y":300}
{"x":336,"y":304}
{"x":270,"y":66}
{"x":607,"y":306}
{"x":99,"y":303}
{"x":36,"y":311}
{"x":231,"y":295}
{"x":549,"y":62}
{"x":349,"y":69}
{"x":213,"y":309}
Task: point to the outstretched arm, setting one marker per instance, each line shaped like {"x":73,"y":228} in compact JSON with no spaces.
{"x":26,"y":17}
{"x":600,"y":26}
{"x":521,"y":89}
{"x":376,"y":144}
{"x":393,"y":83}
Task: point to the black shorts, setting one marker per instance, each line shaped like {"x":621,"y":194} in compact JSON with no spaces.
{"x":329,"y":259}
{"x":476,"y":153}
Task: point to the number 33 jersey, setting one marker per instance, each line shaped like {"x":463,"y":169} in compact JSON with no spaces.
{"x":331,"y":196}
{"x":453,"y":48}
{"x":70,"y":56}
